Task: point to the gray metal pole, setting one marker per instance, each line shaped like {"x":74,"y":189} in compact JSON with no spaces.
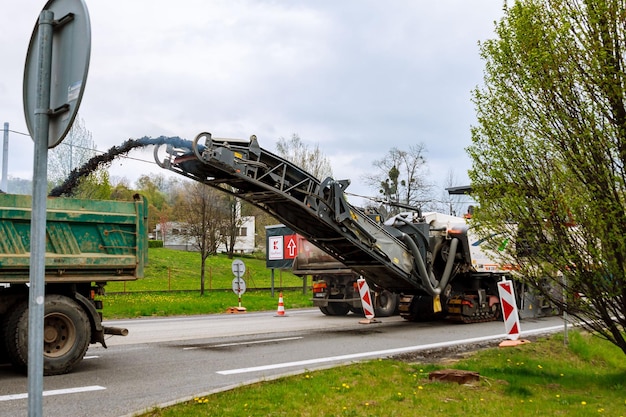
{"x":38,"y":218}
{"x":4,"y":185}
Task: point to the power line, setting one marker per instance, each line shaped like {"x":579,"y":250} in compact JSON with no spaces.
{"x":103,"y":152}
{"x":19,"y":133}
{"x":93,"y":150}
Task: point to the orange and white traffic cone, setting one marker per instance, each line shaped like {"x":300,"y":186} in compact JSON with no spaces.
{"x":281,"y":306}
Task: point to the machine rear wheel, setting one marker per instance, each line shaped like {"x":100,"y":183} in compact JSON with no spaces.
{"x":386,"y":304}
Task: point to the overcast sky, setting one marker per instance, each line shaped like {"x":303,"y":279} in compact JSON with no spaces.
{"x":357,"y":77}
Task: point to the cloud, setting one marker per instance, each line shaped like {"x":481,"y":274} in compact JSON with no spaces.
{"x":356,"y":77}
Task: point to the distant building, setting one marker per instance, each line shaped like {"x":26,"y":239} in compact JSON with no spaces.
{"x":174,"y":237}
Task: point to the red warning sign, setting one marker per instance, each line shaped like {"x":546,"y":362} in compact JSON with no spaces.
{"x":509,"y":309}
{"x":366,"y":300}
{"x":290,"y":246}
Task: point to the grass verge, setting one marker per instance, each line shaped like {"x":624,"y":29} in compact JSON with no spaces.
{"x":174,"y":270}
{"x":585,"y":378}
{"x":171,"y":286}
{"x":153,"y":304}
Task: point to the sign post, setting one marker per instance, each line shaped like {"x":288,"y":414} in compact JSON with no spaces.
{"x":55,"y":72}
{"x":239,"y":285}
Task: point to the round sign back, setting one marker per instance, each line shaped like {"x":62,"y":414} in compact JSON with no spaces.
{"x":239,"y":268}
{"x":239,"y":286}
{"x":71,"y":49}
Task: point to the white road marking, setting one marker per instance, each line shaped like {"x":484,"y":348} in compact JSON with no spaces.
{"x":91,"y":357}
{"x":256,"y":342}
{"x":53,"y":392}
{"x":378,"y":353}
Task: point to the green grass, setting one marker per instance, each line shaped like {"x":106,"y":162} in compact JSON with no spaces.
{"x":546,"y":378}
{"x":171,"y":286}
{"x":169,"y":269}
{"x":142,"y":304}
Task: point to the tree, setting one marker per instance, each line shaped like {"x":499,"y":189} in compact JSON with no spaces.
{"x":77,"y":148}
{"x":310,"y":159}
{"x":453,"y":204}
{"x":205,"y":214}
{"x":233,"y":224}
{"x":95,"y":186}
{"x":549,"y":154}
{"x":159,"y":212}
{"x":400,"y":177}
{"x":122,"y":191}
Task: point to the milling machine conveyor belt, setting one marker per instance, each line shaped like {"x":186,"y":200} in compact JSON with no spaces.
{"x":319,"y":211}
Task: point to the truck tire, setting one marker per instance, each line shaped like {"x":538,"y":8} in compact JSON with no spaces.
{"x":66,"y":335}
{"x":324,"y":310}
{"x":338,"y":309}
{"x":4,"y":358}
{"x":386,"y":304}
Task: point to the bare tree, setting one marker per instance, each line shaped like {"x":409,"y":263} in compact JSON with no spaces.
{"x":205,"y":214}
{"x":233,"y":224}
{"x":453,"y":204}
{"x":310,"y":159}
{"x":77,"y":148}
{"x":400,"y":177}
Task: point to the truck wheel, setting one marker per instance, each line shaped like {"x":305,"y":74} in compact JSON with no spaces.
{"x":66,"y":335}
{"x":324,"y":310}
{"x":12,"y":340}
{"x":338,"y":309}
{"x":4,"y":358}
{"x":357,"y":310}
{"x":386,"y":304}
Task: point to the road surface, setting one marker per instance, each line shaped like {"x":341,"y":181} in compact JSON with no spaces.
{"x":166,"y":360}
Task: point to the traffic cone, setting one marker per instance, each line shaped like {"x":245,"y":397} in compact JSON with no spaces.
{"x":281,"y":306}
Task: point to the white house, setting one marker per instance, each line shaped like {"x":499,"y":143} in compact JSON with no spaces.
{"x":173,"y":236}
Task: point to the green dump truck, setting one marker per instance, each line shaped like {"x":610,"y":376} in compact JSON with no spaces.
{"x":88,"y":242}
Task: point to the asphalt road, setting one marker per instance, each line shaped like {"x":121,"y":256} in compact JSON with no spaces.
{"x":167,"y":360}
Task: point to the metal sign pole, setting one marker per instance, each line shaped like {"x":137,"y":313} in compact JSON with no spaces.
{"x":54,"y":78}
{"x":38,"y":219}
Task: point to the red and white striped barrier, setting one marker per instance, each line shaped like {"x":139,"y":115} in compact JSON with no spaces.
{"x":366,"y":299}
{"x":509,"y":309}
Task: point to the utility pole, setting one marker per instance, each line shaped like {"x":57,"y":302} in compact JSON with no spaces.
{"x":4,"y":184}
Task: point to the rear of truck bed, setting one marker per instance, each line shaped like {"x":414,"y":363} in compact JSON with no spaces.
{"x":88,"y":242}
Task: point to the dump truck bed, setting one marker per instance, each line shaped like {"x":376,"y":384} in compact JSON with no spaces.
{"x":86,"y":240}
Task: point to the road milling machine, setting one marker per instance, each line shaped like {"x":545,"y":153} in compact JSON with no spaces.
{"x":430,"y":259}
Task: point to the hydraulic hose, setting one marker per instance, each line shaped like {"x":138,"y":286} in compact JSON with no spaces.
{"x":454,"y":243}
{"x":421,"y":267}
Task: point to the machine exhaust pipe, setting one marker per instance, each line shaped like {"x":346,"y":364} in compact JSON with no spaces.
{"x":117,"y":331}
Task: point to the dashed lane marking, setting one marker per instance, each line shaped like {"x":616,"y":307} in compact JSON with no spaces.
{"x":53,"y":392}
{"x":254,"y":342}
